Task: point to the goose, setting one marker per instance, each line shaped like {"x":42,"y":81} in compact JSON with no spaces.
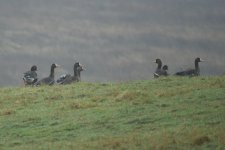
{"x":165,"y":68}
{"x":191,"y":72}
{"x":30,"y":77}
{"x":159,"y":71}
{"x":50,"y":79}
{"x":67,"y":78}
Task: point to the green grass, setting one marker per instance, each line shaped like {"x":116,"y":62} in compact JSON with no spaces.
{"x":167,"y":113}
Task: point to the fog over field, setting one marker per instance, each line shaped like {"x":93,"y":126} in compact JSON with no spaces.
{"x":116,"y":40}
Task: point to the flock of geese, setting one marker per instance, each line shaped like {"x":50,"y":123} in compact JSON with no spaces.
{"x":30,"y":77}
{"x":162,"y":71}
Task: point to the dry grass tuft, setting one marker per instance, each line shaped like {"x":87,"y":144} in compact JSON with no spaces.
{"x":165,"y":94}
{"x":221,"y":138}
{"x":54,"y":97}
{"x":126,"y":96}
{"x":7,"y":112}
{"x":131,"y":96}
{"x":163,"y":141}
{"x":132,"y":141}
{"x":82,"y":105}
{"x":201,"y":140}
{"x":114,"y":93}
{"x":173,"y":92}
{"x":198,"y":137}
{"x":218,"y":83}
{"x":113,"y":143}
{"x":220,"y":135}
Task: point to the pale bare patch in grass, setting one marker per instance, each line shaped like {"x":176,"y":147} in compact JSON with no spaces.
{"x":174,"y":92}
{"x":20,"y":103}
{"x":126,"y":95}
{"x":131,"y":96}
{"x":165,"y":94}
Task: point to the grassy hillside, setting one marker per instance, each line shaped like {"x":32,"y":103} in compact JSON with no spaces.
{"x":169,"y":113}
{"x":115,"y":39}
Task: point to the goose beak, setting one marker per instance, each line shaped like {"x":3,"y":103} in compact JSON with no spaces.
{"x":154,"y":61}
{"x":156,"y":74}
{"x":83,"y":67}
{"x":57,"y":66}
{"x":202,"y":60}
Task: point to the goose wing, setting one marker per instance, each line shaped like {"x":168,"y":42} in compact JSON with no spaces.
{"x":188,"y":72}
{"x":46,"y":81}
{"x":63,"y":78}
{"x":160,"y":72}
{"x":30,"y":77}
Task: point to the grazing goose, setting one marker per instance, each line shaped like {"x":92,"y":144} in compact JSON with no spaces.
{"x":159,"y":71}
{"x":191,"y":72}
{"x":67,"y":78}
{"x":50,"y":79}
{"x":30,"y":77}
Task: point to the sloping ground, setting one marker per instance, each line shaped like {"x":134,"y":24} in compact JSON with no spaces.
{"x":169,"y":113}
{"x":116,"y":39}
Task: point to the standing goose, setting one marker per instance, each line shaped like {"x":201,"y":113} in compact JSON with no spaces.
{"x":67,"y":78}
{"x":50,"y":79}
{"x":30,"y":77}
{"x":159,"y":71}
{"x":191,"y":72}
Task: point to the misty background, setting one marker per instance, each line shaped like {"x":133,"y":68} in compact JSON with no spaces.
{"x":116,"y":40}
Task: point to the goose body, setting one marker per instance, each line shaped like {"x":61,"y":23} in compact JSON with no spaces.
{"x":30,"y":77}
{"x":165,"y":69}
{"x":50,"y":79}
{"x":63,"y":78}
{"x":67,"y":78}
{"x":191,"y":72}
{"x":159,"y":70}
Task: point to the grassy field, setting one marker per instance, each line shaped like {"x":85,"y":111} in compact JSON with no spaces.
{"x":168,"y":113}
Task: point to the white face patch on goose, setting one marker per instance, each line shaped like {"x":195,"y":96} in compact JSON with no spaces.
{"x":56,"y":65}
{"x":202,"y":60}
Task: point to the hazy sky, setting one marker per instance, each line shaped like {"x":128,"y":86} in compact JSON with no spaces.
{"x":116,"y":40}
